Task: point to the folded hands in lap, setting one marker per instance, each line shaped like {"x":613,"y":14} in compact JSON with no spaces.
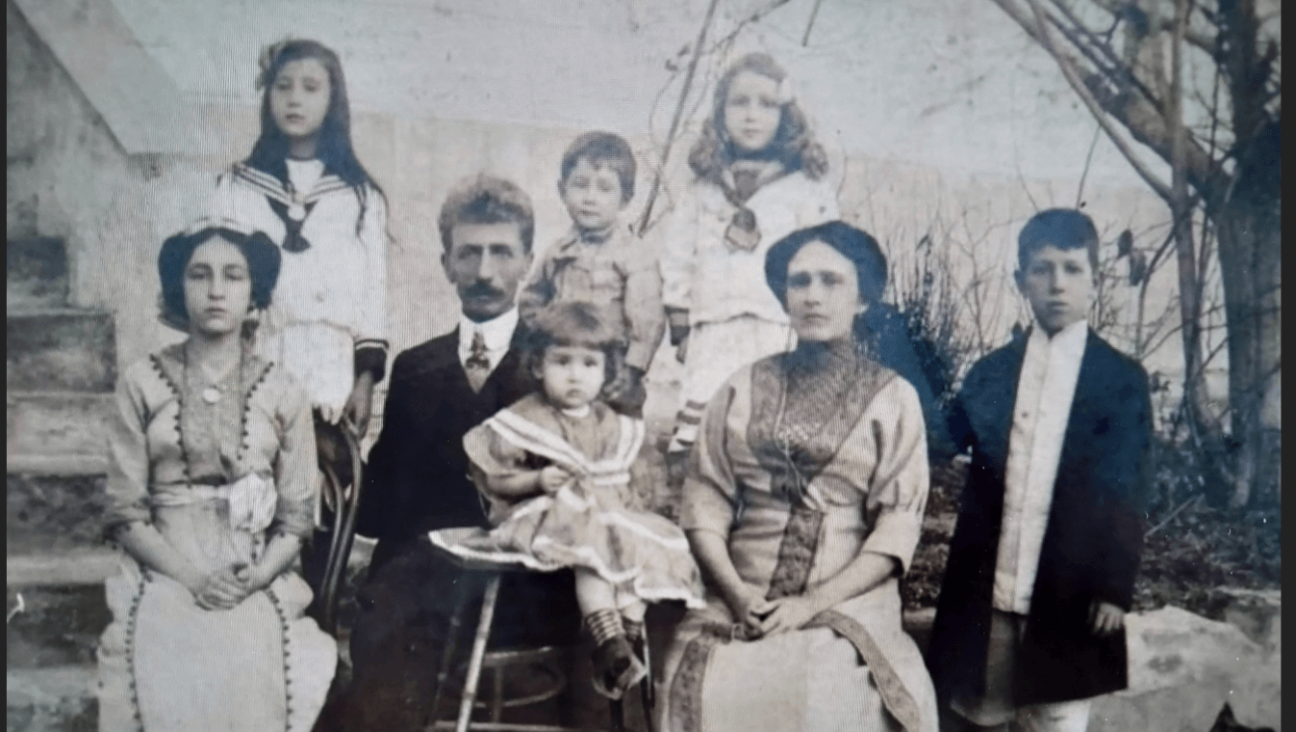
{"x":763,"y":617}
{"x":225,"y":589}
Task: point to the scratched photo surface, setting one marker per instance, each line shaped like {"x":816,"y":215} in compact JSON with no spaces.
{"x":317,"y":508}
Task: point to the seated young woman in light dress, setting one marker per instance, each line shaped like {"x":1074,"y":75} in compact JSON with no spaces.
{"x":211,"y":489}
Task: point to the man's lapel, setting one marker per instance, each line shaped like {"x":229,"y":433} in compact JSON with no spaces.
{"x":451,"y":368}
{"x":509,"y":380}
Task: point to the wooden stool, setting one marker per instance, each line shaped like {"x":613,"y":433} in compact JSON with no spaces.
{"x":497,"y":661}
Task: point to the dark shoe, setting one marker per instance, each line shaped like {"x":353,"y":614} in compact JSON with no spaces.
{"x":616,"y":668}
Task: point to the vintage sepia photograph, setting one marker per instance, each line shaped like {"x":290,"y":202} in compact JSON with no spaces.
{"x":643,"y":365}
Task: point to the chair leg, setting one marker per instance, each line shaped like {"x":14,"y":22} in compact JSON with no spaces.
{"x":329,"y":583}
{"x":497,"y":704}
{"x":447,"y":653}
{"x":646,"y":697}
{"x":478,"y":652}
{"x":617,"y":712}
{"x":646,"y":685}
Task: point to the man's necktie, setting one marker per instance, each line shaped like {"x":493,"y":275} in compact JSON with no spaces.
{"x":477,"y":367}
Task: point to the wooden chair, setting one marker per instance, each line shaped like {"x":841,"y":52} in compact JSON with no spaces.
{"x":488,"y":577}
{"x":346,"y":505}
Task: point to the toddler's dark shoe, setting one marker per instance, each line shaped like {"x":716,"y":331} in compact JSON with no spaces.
{"x":616,"y":668}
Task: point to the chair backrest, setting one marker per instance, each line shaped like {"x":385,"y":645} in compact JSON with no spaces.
{"x":346,"y":500}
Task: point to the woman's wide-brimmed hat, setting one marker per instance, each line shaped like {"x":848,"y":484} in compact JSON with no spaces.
{"x":262,"y":256}
{"x":855,"y":244}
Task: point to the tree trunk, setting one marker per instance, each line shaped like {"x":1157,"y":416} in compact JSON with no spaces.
{"x":1248,"y":231}
{"x":1181,"y":209}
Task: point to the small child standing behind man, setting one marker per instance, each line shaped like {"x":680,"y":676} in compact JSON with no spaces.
{"x":599,"y":261}
{"x":1030,"y":621}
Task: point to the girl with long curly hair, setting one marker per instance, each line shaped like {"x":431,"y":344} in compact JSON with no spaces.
{"x":759,"y":174}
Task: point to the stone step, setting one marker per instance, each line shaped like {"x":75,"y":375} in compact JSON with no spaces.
{"x":53,"y":513}
{"x":60,"y":349}
{"x":65,"y":568}
{"x":66,"y":465}
{"x":56,"y":423}
{"x":37,"y":274}
{"x":57,"y":626}
{"x":60,"y":698}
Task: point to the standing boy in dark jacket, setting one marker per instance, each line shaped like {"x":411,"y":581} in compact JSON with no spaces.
{"x":1030,"y":621}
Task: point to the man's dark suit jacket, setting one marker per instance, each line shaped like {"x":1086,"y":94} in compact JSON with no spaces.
{"x":417,"y":481}
{"x":417,"y":475}
{"x":1092,"y":541}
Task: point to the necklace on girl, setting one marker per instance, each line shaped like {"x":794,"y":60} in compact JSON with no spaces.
{"x":211,"y":394}
{"x":213,"y":379}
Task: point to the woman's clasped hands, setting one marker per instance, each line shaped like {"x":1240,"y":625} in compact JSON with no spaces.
{"x":226,"y":588}
{"x":761,"y":617}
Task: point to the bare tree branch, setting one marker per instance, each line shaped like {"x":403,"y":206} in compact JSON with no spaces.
{"x":1144,"y":122}
{"x":1112,"y":66}
{"x":1038,"y":29}
{"x":675,"y":120}
{"x":1199,"y":36}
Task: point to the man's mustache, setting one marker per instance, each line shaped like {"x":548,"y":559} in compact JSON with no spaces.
{"x":482,"y":290}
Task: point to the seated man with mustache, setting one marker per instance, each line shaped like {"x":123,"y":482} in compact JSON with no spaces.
{"x":417,"y":478}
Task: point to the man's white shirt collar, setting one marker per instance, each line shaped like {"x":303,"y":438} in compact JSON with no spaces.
{"x":497,"y":332}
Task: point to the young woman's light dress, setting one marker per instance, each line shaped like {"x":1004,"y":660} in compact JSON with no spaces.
{"x":215,"y":479}
{"x":856,"y":433}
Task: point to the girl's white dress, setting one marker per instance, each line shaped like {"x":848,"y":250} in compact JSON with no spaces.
{"x":329,"y":305}
{"x":734,"y":318}
{"x":595,"y":521}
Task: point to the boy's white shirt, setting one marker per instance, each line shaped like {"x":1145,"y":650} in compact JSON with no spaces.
{"x":497,"y":332}
{"x":1045,"y":391}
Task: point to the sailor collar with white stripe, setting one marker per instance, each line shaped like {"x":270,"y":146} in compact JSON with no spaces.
{"x":276,"y":189}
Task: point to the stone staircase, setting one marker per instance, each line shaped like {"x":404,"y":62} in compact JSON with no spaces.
{"x":61,"y":367}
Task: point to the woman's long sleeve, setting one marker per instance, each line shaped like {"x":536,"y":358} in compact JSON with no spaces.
{"x":128,"y":460}
{"x":295,"y":464}
{"x":710,"y":492}
{"x":897,"y":495}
